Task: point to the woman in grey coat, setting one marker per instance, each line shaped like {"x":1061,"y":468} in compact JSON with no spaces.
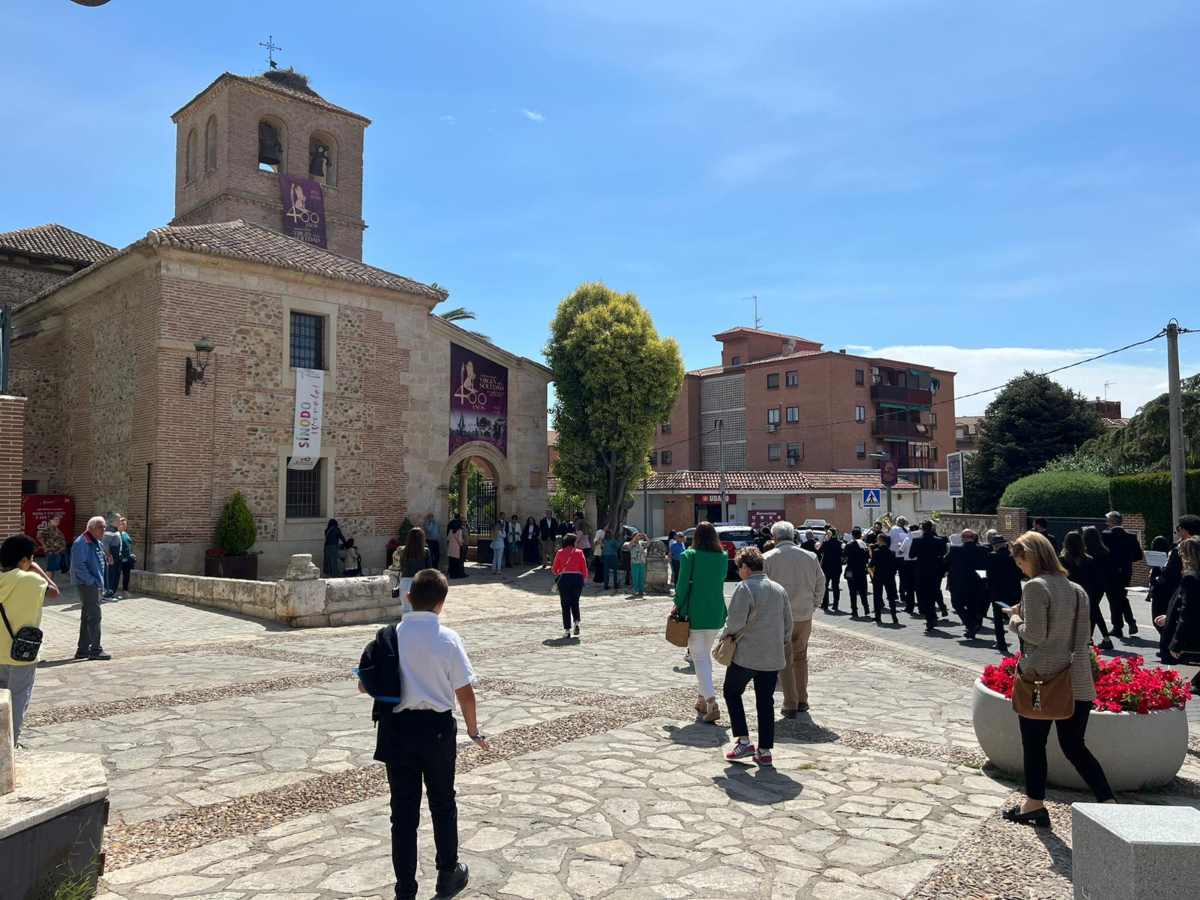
{"x":1053,"y":620}
{"x":760,"y":619}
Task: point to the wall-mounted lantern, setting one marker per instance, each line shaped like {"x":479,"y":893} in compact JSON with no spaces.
{"x":193,"y":372}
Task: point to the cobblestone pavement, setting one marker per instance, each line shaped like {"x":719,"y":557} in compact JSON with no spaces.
{"x":239,"y":763}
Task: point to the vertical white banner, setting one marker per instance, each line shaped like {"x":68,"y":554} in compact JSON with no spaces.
{"x":306,"y":424}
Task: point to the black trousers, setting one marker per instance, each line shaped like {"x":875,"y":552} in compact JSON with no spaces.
{"x":435,"y":553}
{"x":959,"y":602}
{"x":570,"y":586}
{"x":736,"y":679}
{"x":929,"y":598}
{"x":882,"y":585}
{"x":908,"y":584}
{"x":1118,"y":603}
{"x":1097,"y":615}
{"x":833,"y":582}
{"x":126,"y":569}
{"x":89,"y":620}
{"x":856,"y":584}
{"x":422,"y":749}
{"x":1035,"y":733}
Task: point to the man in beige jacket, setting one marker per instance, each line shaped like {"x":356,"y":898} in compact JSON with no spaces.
{"x":801,"y":576}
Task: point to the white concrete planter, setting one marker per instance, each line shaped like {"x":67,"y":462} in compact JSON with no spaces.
{"x":1135,"y":751}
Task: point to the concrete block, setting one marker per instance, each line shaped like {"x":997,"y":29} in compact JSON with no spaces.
{"x":205,"y":590}
{"x":316,"y":621}
{"x":1129,"y":852}
{"x":295,"y":599}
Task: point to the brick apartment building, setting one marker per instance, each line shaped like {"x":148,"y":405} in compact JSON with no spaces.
{"x":779,"y":403}
{"x":101,"y":349}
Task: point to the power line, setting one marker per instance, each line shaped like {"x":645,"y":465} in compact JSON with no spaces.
{"x":978,"y":393}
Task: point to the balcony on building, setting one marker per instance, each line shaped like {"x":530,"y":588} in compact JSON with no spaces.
{"x":891,"y":393}
{"x":887,"y":426}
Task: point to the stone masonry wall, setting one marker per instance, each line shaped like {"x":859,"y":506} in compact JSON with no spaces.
{"x":12,"y":421}
{"x":20,"y":282}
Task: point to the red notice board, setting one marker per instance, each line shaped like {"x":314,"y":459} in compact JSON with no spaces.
{"x":37,"y":508}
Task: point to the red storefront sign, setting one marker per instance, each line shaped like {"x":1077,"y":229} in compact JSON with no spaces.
{"x":715,"y":498}
{"x":37,"y":508}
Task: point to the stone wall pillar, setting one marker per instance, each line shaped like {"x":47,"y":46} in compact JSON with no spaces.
{"x":301,"y":597}
{"x":12,"y":463}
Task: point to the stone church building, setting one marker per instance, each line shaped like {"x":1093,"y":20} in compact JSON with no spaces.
{"x":257,"y":283}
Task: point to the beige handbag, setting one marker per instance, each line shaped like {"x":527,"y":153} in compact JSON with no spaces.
{"x":723,"y":650}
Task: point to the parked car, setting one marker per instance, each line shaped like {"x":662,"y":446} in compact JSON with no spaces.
{"x":818,"y":525}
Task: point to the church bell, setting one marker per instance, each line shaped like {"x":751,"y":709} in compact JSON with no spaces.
{"x":270,"y":151}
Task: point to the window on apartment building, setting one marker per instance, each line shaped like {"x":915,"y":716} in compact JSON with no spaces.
{"x":772,"y":381}
{"x":308,"y":341}
{"x":665,"y":427}
{"x":304,"y":492}
{"x":791,"y":379}
{"x":928,"y":481}
{"x":735,"y":361}
{"x":860,"y":376}
{"x":876,"y":377}
{"x":774,"y":452}
{"x":931,"y":419}
{"x":793,"y":415}
{"x":773,"y":416}
{"x":654,"y":459}
{"x":860,"y":414}
{"x":860,"y":450}
{"x":933,"y":453}
{"x":665,"y":457}
{"x":794,"y":453}
{"x":29,"y":486}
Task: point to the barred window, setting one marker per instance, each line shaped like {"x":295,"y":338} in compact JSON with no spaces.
{"x":308,"y":341}
{"x":304,"y":492}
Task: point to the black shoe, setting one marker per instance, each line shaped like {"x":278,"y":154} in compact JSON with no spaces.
{"x":81,"y":654}
{"x":895,"y":621}
{"x":878,"y":620}
{"x":99,"y":655}
{"x":1001,"y":648}
{"x":1133,"y":627}
{"x":929,"y":630}
{"x":1117,"y":633}
{"x":451,"y":882}
{"x":401,"y":895}
{"x":1105,"y":644}
{"x":788,"y":713}
{"x":1038,"y":818}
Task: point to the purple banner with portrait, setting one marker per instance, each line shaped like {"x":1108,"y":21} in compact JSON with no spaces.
{"x":303,"y":209}
{"x":478,"y":400}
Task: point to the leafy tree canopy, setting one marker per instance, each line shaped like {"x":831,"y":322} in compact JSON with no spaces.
{"x":616,"y":381}
{"x":1030,"y":422}
{"x":1144,"y":444}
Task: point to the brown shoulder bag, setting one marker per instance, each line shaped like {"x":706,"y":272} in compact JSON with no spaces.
{"x":1048,"y":698}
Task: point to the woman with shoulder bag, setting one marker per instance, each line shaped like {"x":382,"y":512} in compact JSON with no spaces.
{"x":700,"y":599}
{"x":758,"y":627}
{"x":1054,"y":678}
{"x":1181,"y":624}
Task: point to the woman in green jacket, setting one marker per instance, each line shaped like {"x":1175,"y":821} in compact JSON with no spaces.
{"x":700,"y":598}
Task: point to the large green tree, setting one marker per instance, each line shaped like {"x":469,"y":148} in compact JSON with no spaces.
{"x":1145,"y":443}
{"x":1030,"y":422}
{"x":616,"y":381}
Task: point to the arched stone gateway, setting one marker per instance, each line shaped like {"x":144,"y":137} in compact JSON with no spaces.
{"x":489,"y":461}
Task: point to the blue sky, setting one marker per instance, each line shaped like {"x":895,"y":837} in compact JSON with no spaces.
{"x":991,"y":186}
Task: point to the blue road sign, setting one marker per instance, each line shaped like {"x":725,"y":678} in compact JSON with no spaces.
{"x":871,"y":498}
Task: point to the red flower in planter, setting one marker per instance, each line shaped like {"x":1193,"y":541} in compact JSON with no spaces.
{"x":1123,"y":684}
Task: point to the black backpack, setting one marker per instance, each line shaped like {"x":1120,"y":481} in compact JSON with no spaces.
{"x":379,"y":672}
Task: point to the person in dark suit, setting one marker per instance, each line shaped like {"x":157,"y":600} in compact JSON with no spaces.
{"x":857,"y":557}
{"x":1042,"y":527}
{"x":830,"y":554}
{"x":967,"y":591}
{"x":1123,"y":551}
{"x":883,"y":576}
{"x":547,"y":532}
{"x":928,"y":551}
{"x":1168,"y":581}
{"x":1003,"y":586}
{"x":1181,"y":622}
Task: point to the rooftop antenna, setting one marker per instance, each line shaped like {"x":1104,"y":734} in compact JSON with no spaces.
{"x":757,"y":320}
{"x":271,"y":47}
{"x":1106,"y":384}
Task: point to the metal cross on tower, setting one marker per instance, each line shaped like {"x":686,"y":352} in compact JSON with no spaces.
{"x":271,"y":47}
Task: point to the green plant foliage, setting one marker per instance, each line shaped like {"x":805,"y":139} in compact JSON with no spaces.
{"x":615,"y":381}
{"x":236,"y":533}
{"x":1060,"y":494}
{"x":1030,"y":422}
{"x":1149,"y":493}
{"x":564,"y":504}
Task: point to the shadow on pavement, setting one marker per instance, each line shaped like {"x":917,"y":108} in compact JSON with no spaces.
{"x":761,"y":786}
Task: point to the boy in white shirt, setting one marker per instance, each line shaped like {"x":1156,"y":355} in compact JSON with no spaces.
{"x":416,"y":740}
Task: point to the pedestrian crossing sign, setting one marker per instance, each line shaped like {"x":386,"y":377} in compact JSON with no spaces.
{"x":870,"y":498}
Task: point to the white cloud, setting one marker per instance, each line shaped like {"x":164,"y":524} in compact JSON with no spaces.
{"x":533,"y":115}
{"x":447,"y":119}
{"x":1133,"y":377}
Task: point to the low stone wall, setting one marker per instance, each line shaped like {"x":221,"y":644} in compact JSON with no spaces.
{"x":1010,"y":521}
{"x":301,"y":600}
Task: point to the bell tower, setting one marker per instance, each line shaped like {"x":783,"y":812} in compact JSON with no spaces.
{"x":241,"y":133}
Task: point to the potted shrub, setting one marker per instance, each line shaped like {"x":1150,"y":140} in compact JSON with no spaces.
{"x":1137,"y":730}
{"x":236,"y":534}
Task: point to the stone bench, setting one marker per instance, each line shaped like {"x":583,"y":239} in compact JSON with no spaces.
{"x":1126,"y":852}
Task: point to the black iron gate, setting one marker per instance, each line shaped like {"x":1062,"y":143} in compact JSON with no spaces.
{"x":1060,"y":525}
{"x":481,"y":506}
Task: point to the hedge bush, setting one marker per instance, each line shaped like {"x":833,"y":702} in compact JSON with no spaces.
{"x":1079,"y":494}
{"x":1149,"y":493}
{"x":236,"y":533}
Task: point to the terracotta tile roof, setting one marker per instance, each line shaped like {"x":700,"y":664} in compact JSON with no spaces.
{"x":745,"y":329}
{"x":242,"y":240}
{"x":57,"y":242}
{"x":279,"y":82}
{"x":687,"y":481}
{"x":717,"y":370}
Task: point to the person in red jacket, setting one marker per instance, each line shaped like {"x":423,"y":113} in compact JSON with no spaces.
{"x":570,"y":569}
